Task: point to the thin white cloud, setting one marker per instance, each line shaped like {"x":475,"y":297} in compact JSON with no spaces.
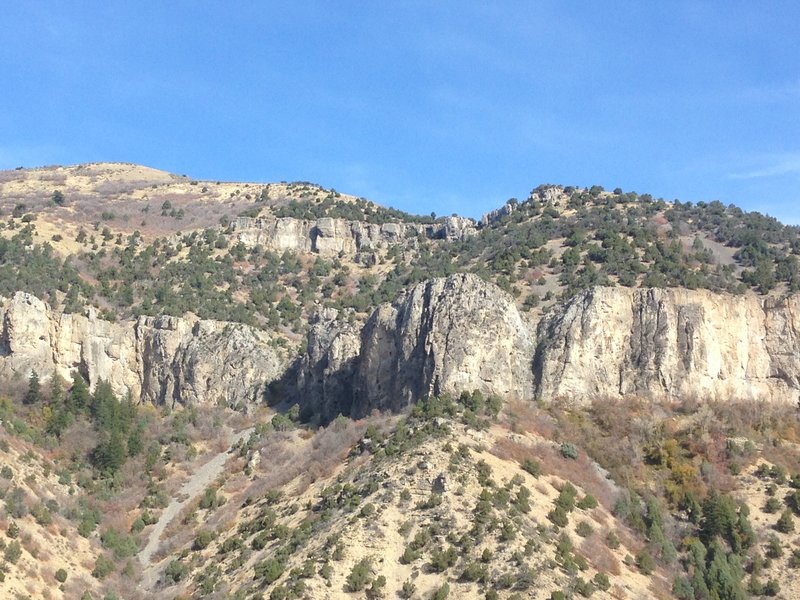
{"x":786,"y":164}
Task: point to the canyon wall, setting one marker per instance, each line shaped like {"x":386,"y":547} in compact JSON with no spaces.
{"x":443,"y":335}
{"x":155,"y":359}
{"x":670,"y":343}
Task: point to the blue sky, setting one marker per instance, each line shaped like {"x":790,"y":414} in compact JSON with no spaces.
{"x":427,"y":106}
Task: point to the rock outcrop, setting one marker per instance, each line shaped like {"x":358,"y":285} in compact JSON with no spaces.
{"x":444,"y":335}
{"x":326,"y":373}
{"x":155,"y":359}
{"x":330,"y":237}
{"x":670,"y":343}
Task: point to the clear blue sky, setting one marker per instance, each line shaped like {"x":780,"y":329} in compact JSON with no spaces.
{"x":451,"y":106}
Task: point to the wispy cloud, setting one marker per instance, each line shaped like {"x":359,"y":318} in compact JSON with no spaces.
{"x":775,"y":166}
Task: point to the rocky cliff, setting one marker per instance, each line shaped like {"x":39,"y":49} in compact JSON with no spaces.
{"x":461,"y":333}
{"x":329,"y":237}
{"x":444,"y":335}
{"x":670,"y":343}
{"x":155,"y":359}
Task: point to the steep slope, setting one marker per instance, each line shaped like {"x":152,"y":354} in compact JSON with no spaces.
{"x":432,"y":503}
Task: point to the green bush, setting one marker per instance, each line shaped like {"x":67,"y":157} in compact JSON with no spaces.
{"x":103,"y":567}
{"x":584,"y":529}
{"x":532,"y":466}
{"x":772,"y":505}
{"x":785,"y":523}
{"x":12,"y":552}
{"x":569,"y":450}
{"x":602,"y":582}
{"x":645,"y":562}
{"x":176,"y":571}
{"x":202,"y":540}
{"x":61,"y":575}
{"x":558,"y":516}
{"x":475,"y":571}
{"x":376,"y":589}
{"x":359,"y":576}
{"x":269,"y":570}
{"x":442,"y":592}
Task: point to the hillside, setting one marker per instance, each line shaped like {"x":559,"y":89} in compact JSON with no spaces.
{"x":132,"y":240}
{"x":275,"y":390}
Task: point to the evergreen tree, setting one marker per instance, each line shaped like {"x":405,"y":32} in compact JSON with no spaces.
{"x":56,"y":390}
{"x":109,"y":455}
{"x":34,"y":393}
{"x":79,"y":394}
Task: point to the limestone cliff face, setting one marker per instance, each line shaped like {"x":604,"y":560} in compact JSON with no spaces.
{"x":329,"y":237}
{"x":156,"y":359}
{"x":444,"y":335}
{"x":610,"y":342}
{"x":326,"y":373}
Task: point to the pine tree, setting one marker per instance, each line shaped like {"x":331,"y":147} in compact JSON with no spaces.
{"x":109,"y":455}
{"x":56,"y":391}
{"x":79,"y":395}
{"x":34,"y":393}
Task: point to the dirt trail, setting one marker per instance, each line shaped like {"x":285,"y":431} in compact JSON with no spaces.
{"x":194,"y":487}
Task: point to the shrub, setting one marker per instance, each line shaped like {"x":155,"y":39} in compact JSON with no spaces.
{"x":376,"y":589}
{"x":61,"y":575}
{"x":612,"y":541}
{"x":103,"y":567}
{"x":568,"y":450}
{"x":583,"y":587}
{"x":12,"y":552}
{"x":269,"y":570}
{"x":359,"y":576}
{"x":176,"y":571}
{"x":772,"y":505}
{"x":584,"y":529}
{"x":13,"y":530}
{"x":602,"y":582}
{"x":558,"y":516}
{"x":408,"y":590}
{"x":441,"y":560}
{"x":202,"y":540}
{"x":409,"y":556}
{"x":441,"y":593}
{"x":532,"y":466}
{"x":774,"y":548}
{"x":588,"y":502}
{"x":785,"y":523}
{"x":211,"y":499}
{"x":772,"y":588}
{"x":645,"y":562}
{"x":475,"y":571}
